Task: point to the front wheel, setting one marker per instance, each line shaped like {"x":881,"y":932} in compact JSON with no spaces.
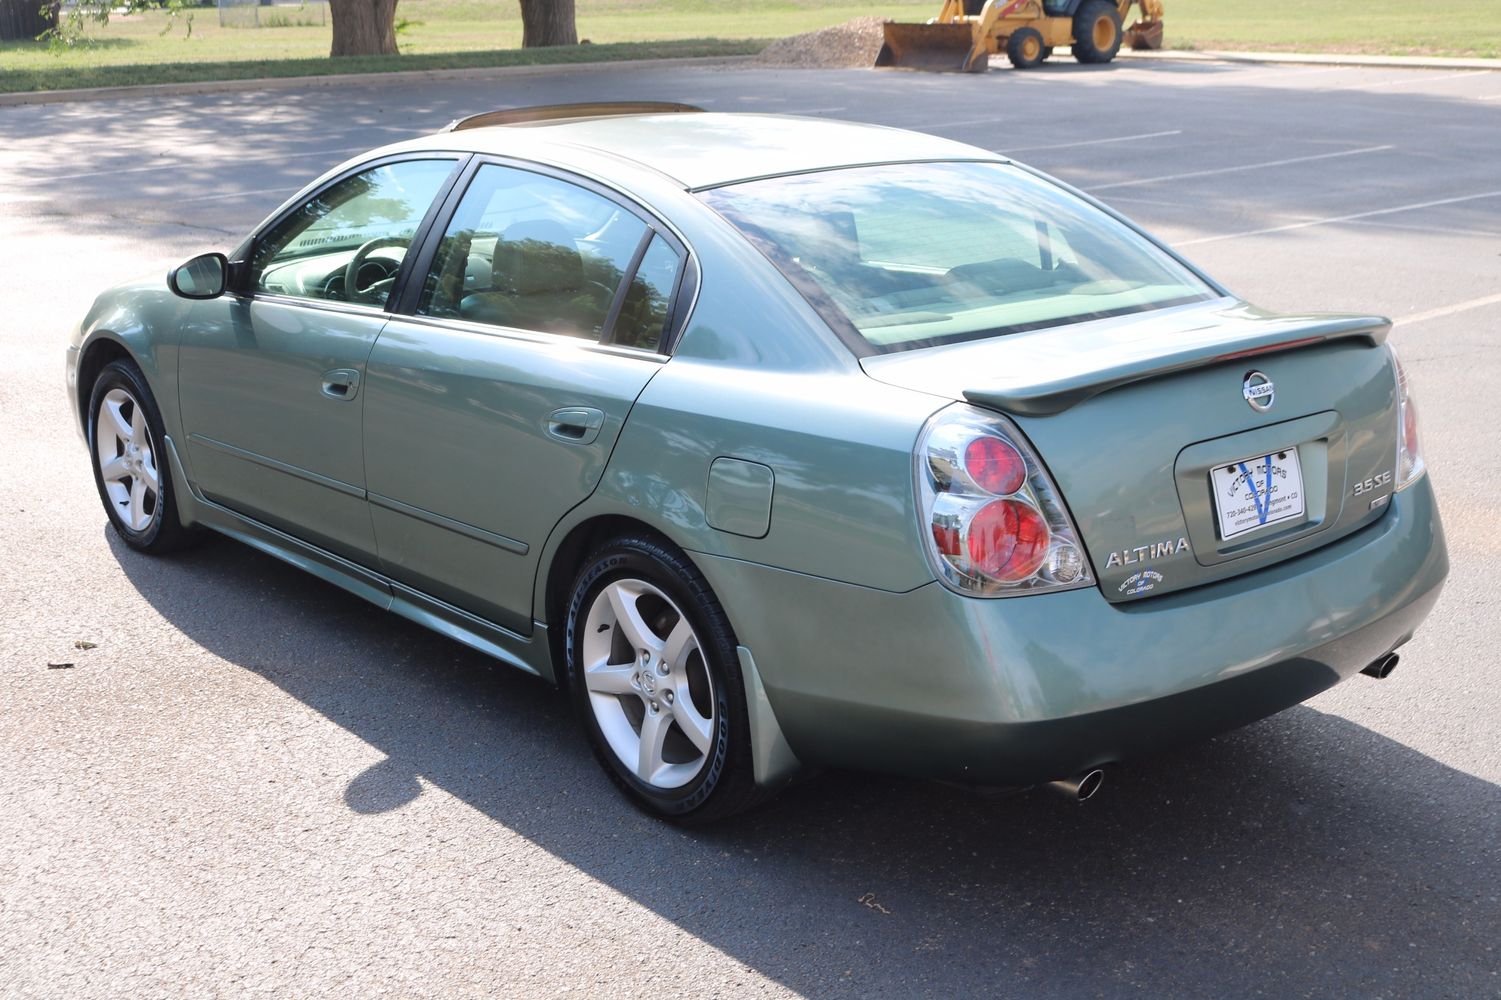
{"x":1025,"y":49}
{"x":130,"y":464}
{"x":654,"y":676}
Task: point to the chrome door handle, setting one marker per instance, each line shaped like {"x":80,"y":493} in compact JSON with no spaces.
{"x":341,"y":383}
{"x":575,"y":424}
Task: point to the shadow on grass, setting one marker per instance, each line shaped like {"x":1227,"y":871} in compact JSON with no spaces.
{"x":73,"y":77}
{"x":1304,"y":855}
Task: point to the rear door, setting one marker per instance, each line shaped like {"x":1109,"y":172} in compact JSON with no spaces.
{"x":491,"y":409}
{"x":271,"y":390}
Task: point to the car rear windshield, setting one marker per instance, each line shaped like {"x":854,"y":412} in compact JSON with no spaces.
{"x":902,"y":256}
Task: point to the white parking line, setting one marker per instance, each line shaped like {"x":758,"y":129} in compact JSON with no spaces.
{"x":1307,"y":223}
{"x":180,"y":164}
{"x":1237,"y":169}
{"x":1458,"y":307}
{"x":1089,"y":142}
{"x":233,"y":195}
{"x":1425,"y":79}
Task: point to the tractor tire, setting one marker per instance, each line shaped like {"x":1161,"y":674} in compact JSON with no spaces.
{"x":1025,"y":49}
{"x":1097,"y":32}
{"x":1047,"y":53}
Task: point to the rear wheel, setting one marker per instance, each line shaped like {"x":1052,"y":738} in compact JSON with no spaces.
{"x":130,"y":463}
{"x":1025,"y":49}
{"x":654,"y":676}
{"x":1097,"y":32}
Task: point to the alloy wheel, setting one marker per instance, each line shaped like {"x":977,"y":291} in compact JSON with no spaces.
{"x":127,"y":460}
{"x":648,"y":685}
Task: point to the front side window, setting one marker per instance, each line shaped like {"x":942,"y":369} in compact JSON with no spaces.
{"x":532,"y":252}
{"x":902,"y":256}
{"x":347,"y":243}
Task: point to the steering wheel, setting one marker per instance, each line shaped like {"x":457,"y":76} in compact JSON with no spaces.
{"x":352,"y":291}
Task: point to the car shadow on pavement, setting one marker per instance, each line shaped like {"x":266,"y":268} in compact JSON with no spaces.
{"x":1304,"y":855}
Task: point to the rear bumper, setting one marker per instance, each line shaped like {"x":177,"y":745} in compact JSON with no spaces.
{"x":1022,"y":690}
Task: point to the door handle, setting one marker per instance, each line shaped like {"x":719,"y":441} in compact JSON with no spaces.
{"x":575,"y":424}
{"x":341,"y":383}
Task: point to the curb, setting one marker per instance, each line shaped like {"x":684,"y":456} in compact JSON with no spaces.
{"x":1313,"y":59}
{"x":351,"y":79}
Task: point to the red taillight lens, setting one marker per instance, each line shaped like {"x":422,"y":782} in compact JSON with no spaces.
{"x":1008,"y":540}
{"x":1410,"y":464}
{"x":995,"y":466}
{"x":994,"y":523}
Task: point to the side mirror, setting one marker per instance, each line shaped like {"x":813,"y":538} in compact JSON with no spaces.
{"x":203,"y":277}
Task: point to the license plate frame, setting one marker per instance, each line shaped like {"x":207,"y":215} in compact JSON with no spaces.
{"x":1257,"y":492}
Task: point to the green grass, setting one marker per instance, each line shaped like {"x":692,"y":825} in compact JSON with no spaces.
{"x":472,"y":33}
{"x":438,"y":34}
{"x":1375,"y":27}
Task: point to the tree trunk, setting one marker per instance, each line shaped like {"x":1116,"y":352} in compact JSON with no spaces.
{"x":23,"y":20}
{"x":547,"y":22}
{"x":361,"y":27}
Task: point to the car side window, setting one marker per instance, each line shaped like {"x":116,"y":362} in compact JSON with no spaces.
{"x":531,"y":252}
{"x":648,"y":301}
{"x":347,"y":242}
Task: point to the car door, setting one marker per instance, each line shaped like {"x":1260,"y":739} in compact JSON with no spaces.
{"x":271,"y":387}
{"x":492,"y":408}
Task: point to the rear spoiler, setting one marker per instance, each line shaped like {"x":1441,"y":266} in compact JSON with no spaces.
{"x":1043,"y":398}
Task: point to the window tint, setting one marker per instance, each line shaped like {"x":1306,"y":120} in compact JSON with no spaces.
{"x":363,"y":223}
{"x":643,"y":315}
{"x":911,"y":255}
{"x":531,"y":252}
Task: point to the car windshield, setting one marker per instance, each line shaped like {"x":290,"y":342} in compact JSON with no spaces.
{"x":910,"y":255}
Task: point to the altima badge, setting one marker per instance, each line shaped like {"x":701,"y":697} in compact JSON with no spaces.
{"x":1258,"y":390}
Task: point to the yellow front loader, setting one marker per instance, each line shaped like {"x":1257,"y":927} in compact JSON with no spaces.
{"x":966,"y":33}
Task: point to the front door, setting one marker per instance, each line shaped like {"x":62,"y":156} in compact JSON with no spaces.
{"x":273,"y":388}
{"x":492,"y":411}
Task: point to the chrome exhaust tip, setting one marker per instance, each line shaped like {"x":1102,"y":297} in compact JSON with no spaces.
{"x":1381,"y":667}
{"x":1081,"y":787}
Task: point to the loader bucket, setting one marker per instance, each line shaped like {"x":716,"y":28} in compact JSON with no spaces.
{"x":936,"y":48}
{"x":1145,"y":35}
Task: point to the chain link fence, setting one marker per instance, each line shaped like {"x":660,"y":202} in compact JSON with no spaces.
{"x":265,"y":14}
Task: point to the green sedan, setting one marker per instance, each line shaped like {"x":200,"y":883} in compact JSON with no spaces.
{"x":780,"y":443}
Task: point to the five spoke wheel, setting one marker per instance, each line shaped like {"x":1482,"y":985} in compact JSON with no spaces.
{"x":648,"y":684}
{"x":127,"y":459}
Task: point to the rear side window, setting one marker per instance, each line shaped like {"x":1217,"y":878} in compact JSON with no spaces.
{"x":648,"y":301}
{"x":911,"y":255}
{"x":531,"y":252}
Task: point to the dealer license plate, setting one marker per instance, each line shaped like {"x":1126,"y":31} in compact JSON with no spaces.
{"x":1256,"y":492}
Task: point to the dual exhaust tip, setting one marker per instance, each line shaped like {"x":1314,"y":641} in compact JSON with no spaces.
{"x":1082,"y":787}
{"x":1381,"y":667}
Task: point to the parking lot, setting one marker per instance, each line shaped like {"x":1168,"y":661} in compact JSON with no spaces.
{"x":248,"y":783}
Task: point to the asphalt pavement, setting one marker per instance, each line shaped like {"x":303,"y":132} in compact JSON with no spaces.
{"x":247,"y":783}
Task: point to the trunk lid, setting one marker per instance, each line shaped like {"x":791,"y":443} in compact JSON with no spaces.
{"x":1133,"y":416}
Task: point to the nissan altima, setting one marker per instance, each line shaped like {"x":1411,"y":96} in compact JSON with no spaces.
{"x":780,"y":443}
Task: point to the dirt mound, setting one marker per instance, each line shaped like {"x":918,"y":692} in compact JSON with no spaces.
{"x":853,"y":43}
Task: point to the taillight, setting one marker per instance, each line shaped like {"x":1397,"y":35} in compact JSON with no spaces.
{"x":996,"y":525}
{"x":1410,"y":464}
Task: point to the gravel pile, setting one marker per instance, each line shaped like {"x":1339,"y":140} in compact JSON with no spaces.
{"x":853,"y":43}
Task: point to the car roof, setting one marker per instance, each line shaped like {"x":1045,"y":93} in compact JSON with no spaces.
{"x":709,"y":149}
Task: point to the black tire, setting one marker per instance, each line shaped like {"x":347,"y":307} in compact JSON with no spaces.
{"x":163,"y":530}
{"x":1025,"y":49}
{"x":724,"y":783}
{"x":1097,"y":32}
{"x":1047,"y":52}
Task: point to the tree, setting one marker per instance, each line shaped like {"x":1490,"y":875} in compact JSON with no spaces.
{"x":363,"y":27}
{"x":23,"y":20}
{"x":548,"y":22}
